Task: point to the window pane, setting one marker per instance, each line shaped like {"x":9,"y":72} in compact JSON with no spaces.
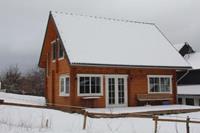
{"x":165,"y":84}
{"x":120,"y":90}
{"x":87,"y":84}
{"x":154,"y":84}
{"x":111,"y":90}
{"x":61,"y":52}
{"x":62,"y":85}
{"x":54,"y":51}
{"x":98,"y":85}
{"x":66,"y":85}
{"x":93,"y":87}
{"x":95,"y":84}
{"x":82,"y":85}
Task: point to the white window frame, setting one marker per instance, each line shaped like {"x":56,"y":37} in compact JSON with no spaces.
{"x":159,"y":76}
{"x":53,"y":43}
{"x":90,"y":75}
{"x":64,"y":93}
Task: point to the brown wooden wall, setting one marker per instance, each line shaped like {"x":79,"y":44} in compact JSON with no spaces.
{"x":55,"y":69}
{"x":137,"y":82}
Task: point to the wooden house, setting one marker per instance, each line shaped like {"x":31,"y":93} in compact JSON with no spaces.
{"x":103,"y":62}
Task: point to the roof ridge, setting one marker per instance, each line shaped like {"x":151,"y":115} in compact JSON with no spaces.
{"x":105,"y":18}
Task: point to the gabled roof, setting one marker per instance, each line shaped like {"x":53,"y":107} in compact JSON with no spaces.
{"x":193,"y":59}
{"x":106,"y":41}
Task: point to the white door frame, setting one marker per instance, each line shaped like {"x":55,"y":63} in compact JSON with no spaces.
{"x":125,"y":77}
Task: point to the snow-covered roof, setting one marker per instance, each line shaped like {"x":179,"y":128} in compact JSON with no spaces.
{"x":179,"y":46}
{"x":193,"y":59}
{"x":98,"y":40}
{"x":188,"y":89}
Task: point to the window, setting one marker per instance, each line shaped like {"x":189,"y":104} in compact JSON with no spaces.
{"x":180,"y":101}
{"x":89,"y":85}
{"x":199,"y":102}
{"x":61,"y":51}
{"x":189,"y":101}
{"x":54,"y":53}
{"x":64,"y":85}
{"x":159,"y":84}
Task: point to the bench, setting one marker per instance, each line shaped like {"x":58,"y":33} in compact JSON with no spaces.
{"x":154,"y":97}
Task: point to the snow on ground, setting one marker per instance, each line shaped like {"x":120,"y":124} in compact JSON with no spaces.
{"x":22,"y":99}
{"x":139,"y":109}
{"x":33,"y":120}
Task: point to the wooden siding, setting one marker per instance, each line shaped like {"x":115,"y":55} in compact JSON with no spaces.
{"x":137,"y":82}
{"x":55,"y":69}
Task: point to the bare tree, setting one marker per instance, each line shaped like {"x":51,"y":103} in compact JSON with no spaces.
{"x":33,"y":82}
{"x":11,"y":78}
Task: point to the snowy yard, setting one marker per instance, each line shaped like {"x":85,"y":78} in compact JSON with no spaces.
{"x":139,"y":109}
{"x":33,"y":120}
{"x":15,"y":119}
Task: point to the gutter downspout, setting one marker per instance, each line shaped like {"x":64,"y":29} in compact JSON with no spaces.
{"x":183,"y":76}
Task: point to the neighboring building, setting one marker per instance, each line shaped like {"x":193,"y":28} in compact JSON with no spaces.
{"x":104,"y":62}
{"x":189,"y":81}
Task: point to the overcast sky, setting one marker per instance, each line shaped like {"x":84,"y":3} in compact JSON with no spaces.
{"x":23,"y":22}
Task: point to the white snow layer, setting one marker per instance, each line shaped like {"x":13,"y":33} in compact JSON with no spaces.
{"x":22,"y":99}
{"x":193,"y":59}
{"x":188,"y":89}
{"x":139,"y":109}
{"x":33,"y":120}
{"x":114,"y":42}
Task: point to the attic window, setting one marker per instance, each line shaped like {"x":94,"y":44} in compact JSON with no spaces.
{"x":54,"y":53}
{"x":61,"y":51}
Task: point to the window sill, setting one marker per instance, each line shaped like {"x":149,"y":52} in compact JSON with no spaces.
{"x":160,"y":92}
{"x":64,"y":95}
{"x":61,"y":58}
{"x":90,"y":97}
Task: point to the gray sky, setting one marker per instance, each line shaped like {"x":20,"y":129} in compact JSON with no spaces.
{"x":23,"y":22}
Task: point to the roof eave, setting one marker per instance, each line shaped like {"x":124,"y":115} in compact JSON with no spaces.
{"x":39,"y":62}
{"x":130,"y":66}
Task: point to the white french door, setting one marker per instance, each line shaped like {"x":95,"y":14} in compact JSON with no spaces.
{"x":116,"y":90}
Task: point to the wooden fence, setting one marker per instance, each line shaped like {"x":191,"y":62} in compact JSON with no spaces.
{"x":148,"y":114}
{"x":187,"y":122}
